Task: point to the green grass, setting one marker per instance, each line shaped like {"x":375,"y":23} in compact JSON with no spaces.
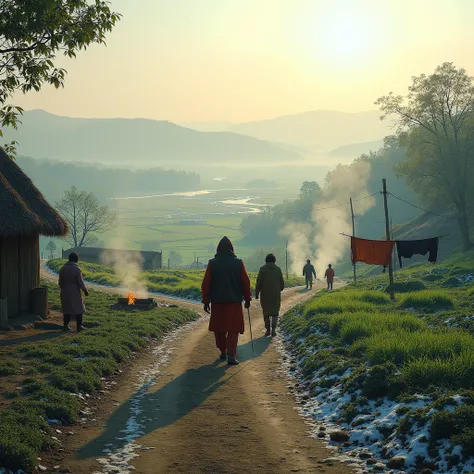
{"x":420,"y":343}
{"x":71,"y":364}
{"x":180,"y":283}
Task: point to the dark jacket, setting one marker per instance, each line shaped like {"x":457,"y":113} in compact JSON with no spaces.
{"x":309,"y":271}
{"x":226,"y":278}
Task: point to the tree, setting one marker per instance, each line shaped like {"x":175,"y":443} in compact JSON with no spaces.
{"x":51,"y":248}
{"x":435,"y":122}
{"x":175,"y":258}
{"x":85,"y":216}
{"x":310,"y":190}
{"x":32,"y":33}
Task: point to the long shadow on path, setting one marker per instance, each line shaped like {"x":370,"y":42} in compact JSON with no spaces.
{"x":146,"y":411}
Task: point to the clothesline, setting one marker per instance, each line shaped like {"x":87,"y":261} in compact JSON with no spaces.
{"x":427,"y":238}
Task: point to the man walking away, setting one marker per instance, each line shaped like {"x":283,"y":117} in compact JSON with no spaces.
{"x":329,"y":276}
{"x":270,"y":284}
{"x":225,"y":285}
{"x":308,"y":272}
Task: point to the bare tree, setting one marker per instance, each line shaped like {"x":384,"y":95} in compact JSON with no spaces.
{"x":51,"y":248}
{"x":436,"y":125}
{"x":85,"y":216}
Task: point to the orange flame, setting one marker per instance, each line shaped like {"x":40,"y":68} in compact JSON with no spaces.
{"x":131,"y":298}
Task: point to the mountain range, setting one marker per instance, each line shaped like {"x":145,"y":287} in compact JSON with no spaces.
{"x":145,"y":142}
{"x":136,"y":141}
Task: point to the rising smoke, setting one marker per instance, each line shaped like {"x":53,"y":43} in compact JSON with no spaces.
{"x":320,"y":240}
{"x":128,"y":267}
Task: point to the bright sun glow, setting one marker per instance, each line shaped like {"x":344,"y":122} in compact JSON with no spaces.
{"x":346,"y":37}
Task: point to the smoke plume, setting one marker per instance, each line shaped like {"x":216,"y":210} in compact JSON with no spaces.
{"x":321,"y":240}
{"x":127,"y":266}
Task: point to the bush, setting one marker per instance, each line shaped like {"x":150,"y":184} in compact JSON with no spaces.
{"x":427,"y":300}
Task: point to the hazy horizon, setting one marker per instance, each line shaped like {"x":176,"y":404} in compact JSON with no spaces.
{"x":240,"y":60}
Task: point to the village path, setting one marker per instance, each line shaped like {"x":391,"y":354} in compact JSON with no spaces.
{"x":198,"y":415}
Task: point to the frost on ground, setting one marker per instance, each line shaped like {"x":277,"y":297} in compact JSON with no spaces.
{"x":379,"y":435}
{"x":119,"y":455}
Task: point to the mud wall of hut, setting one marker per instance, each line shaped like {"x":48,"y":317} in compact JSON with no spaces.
{"x":19,"y":271}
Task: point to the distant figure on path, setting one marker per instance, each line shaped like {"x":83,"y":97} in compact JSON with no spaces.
{"x":329,"y":275}
{"x":225,"y":285}
{"x":71,"y":284}
{"x":270,"y":284}
{"x":308,"y":272}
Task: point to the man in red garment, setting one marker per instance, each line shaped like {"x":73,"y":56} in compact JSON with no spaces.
{"x":225,"y":285}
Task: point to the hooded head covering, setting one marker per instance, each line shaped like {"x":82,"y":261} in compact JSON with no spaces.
{"x":225,"y":246}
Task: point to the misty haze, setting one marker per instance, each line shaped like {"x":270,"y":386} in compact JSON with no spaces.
{"x":322,"y":150}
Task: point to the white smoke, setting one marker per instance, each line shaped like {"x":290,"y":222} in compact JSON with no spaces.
{"x":128,"y":267}
{"x":299,"y":249}
{"x":321,"y":241}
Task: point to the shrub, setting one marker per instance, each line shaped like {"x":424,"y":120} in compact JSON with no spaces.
{"x":427,"y":300}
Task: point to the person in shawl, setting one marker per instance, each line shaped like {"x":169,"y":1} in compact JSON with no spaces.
{"x":226,"y":284}
{"x":71,"y":283}
{"x":269,"y":286}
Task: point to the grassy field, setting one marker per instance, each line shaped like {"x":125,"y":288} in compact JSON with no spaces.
{"x":157,"y":221}
{"x":46,"y":374}
{"x":180,"y":283}
{"x":398,"y":374}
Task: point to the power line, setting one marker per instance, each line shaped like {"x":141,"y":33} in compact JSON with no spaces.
{"x":421,"y":208}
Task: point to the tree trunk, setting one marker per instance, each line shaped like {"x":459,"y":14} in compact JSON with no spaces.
{"x":464,"y":232}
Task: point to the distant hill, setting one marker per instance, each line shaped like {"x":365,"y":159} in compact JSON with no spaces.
{"x":319,"y":130}
{"x":136,"y":141}
{"x":355,"y":149}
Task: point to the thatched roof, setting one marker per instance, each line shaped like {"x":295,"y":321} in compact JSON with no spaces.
{"x":23,"y":209}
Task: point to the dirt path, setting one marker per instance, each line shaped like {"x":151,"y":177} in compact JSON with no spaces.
{"x":180,"y":410}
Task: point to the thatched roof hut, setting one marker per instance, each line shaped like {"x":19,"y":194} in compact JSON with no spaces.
{"x":24,"y":215}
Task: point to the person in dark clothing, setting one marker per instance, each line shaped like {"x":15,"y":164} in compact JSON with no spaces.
{"x":226,"y":283}
{"x":308,"y":272}
{"x":71,"y":283}
{"x":269,"y":286}
{"x":408,"y":248}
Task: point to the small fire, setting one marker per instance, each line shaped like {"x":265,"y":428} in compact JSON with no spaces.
{"x":131,"y":298}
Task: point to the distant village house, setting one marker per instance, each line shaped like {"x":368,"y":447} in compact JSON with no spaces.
{"x":149,"y":260}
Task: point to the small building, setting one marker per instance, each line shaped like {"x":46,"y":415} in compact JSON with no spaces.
{"x":24,"y":216}
{"x":149,"y":260}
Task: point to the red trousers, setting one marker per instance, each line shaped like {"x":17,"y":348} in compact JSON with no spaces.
{"x":227,"y":342}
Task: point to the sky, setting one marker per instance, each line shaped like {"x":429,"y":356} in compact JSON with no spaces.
{"x":246,"y":60}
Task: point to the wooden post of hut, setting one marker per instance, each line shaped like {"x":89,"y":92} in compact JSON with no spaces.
{"x":39,"y":301}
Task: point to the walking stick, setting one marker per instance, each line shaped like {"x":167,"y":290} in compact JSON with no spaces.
{"x":250,"y":326}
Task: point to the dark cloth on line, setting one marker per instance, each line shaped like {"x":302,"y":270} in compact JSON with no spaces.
{"x":372,"y":252}
{"x":408,"y":248}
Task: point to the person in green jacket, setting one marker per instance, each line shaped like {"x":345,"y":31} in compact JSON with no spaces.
{"x":270,"y":284}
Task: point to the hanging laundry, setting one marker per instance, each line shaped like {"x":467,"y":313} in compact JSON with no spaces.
{"x":408,"y":248}
{"x":373,"y":252}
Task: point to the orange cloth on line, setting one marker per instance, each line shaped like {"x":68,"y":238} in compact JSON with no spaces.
{"x":373,"y":252}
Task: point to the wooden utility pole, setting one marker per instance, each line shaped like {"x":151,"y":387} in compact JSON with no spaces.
{"x":394,"y":255}
{"x":286,"y":259}
{"x":353,"y":234}
{"x":387,"y":233}
{"x":169,"y":263}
